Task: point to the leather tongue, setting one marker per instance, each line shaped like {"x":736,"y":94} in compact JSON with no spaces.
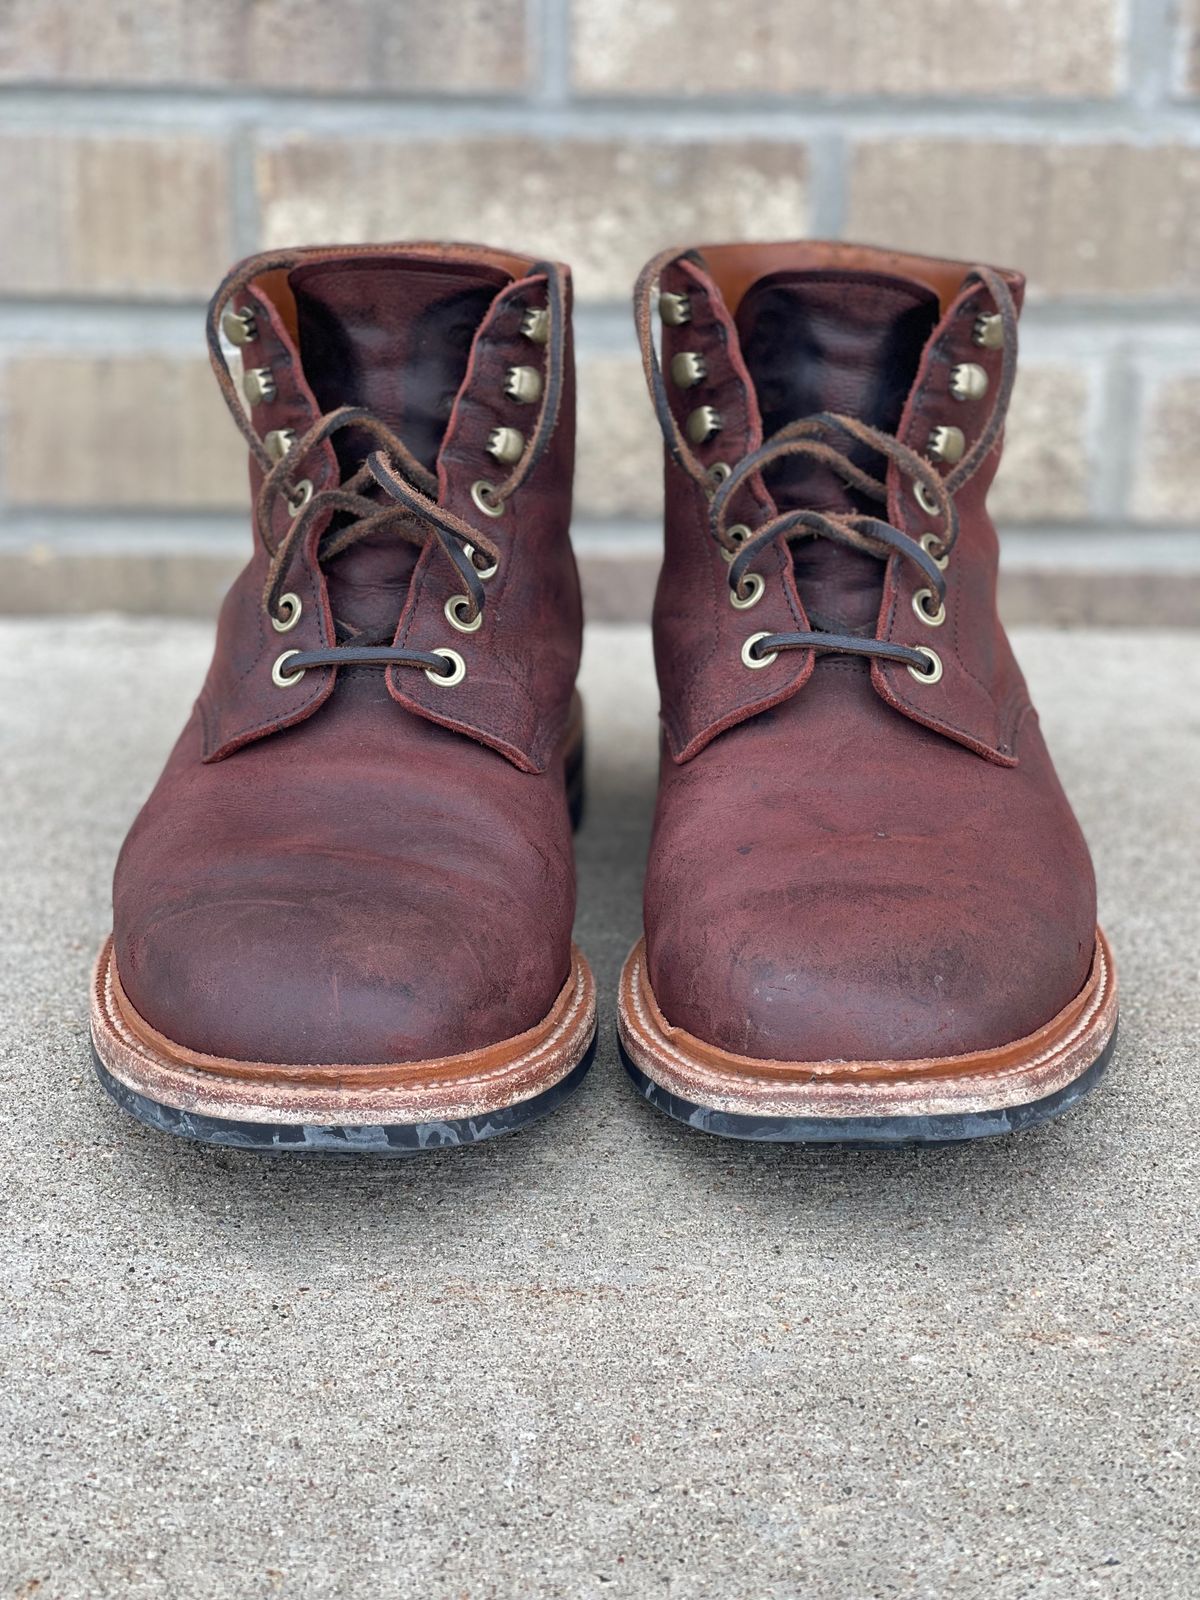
{"x":391,"y":333}
{"x":833,"y":341}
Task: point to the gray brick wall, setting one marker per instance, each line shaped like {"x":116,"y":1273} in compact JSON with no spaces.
{"x":146,"y":143}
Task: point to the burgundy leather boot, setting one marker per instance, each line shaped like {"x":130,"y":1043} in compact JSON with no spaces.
{"x":343,"y":917}
{"x":869,"y":912}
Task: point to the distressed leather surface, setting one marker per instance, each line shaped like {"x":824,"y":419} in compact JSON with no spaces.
{"x":832,"y":880}
{"x":846,"y":863}
{"x":238,"y":701}
{"x":360,"y":867}
{"x":698,"y":635}
{"x":981,"y":699}
{"x":365,"y":886}
{"x":705,"y":687}
{"x":521,"y":665}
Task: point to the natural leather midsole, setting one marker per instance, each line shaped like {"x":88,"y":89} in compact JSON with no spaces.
{"x":438,"y":1089}
{"x":1018,"y":1073}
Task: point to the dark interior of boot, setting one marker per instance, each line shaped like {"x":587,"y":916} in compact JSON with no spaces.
{"x":393,"y":334}
{"x":831,"y":341}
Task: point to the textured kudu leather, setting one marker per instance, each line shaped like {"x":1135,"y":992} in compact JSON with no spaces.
{"x":367,"y":866}
{"x":847,"y":863}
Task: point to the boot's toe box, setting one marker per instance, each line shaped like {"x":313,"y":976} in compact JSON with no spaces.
{"x":363,"y":918}
{"x":827,"y":971}
{"x":364,"y":974}
{"x":860,"y":914}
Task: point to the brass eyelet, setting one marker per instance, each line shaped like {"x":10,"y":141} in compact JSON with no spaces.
{"x":968,"y":381}
{"x":935,"y":665}
{"x":674,"y":309}
{"x":486,"y":499}
{"x":688,"y":369}
{"x":455,"y":607}
{"x":925,"y":500}
{"x":289,"y":613}
{"x":238,"y":324}
{"x":278,"y":442}
{"x":932,"y":547}
{"x":300,"y":496}
{"x":988,"y":332}
{"x":920,"y":604}
{"x":749,"y":659}
{"x":535,"y":325}
{"x":458,"y":670}
{"x":719,"y":471}
{"x":484,"y":572}
{"x":947,"y":444}
{"x":738,"y":535}
{"x":506,"y":445}
{"x":258,"y":385}
{"x":283,"y":679}
{"x":703,"y":424}
{"x":523,"y":384}
{"x":750,"y":594}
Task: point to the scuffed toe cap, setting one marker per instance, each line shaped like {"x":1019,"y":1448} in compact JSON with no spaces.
{"x":828,"y":919}
{"x":862,"y":985}
{"x":364,"y":888}
{"x":360,"y":976}
{"x":349,"y":924}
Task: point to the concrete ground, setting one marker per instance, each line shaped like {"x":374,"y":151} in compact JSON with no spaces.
{"x":609,"y":1356}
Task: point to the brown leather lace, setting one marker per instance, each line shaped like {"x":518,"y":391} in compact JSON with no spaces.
{"x":411,"y":512}
{"x":815,"y":438}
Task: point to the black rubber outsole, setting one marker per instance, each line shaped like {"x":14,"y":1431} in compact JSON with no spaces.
{"x":380,"y":1139}
{"x":866,"y":1132}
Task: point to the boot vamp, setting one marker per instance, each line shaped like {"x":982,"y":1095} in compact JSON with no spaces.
{"x":366,"y":887}
{"x":830,"y":881}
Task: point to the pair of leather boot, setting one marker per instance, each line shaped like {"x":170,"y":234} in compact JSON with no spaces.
{"x":343,"y":918}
